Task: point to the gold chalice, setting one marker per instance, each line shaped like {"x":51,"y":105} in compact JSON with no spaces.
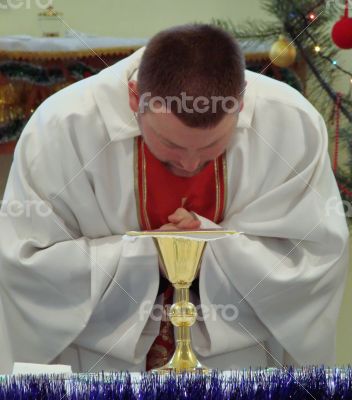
{"x":180,"y":254}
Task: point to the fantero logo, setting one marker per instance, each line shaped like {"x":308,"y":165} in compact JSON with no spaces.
{"x":24,"y":4}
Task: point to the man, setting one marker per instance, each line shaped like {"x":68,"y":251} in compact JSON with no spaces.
{"x":117,"y":152}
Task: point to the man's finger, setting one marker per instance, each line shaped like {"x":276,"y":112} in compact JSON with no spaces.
{"x":179,"y":215}
{"x":189,"y":224}
{"x":168,"y":227}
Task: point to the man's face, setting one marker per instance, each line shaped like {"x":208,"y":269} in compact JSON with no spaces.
{"x":184,"y":150}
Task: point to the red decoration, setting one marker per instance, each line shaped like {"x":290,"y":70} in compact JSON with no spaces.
{"x":342,"y":31}
{"x":343,"y":188}
{"x":8,"y":147}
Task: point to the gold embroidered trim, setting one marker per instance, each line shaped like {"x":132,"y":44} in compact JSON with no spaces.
{"x":224,"y":171}
{"x":217,"y":191}
{"x":144,"y":189}
{"x":136,"y":183}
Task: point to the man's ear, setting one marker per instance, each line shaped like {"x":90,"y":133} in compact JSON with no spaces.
{"x":133,"y":96}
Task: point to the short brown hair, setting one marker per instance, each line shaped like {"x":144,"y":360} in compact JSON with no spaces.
{"x":198,"y":59}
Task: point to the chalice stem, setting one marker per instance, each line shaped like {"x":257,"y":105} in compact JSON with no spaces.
{"x":184,"y":358}
{"x":182,"y":293}
{"x":183,"y":333}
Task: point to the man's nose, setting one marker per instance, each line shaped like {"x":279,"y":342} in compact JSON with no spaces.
{"x":190,"y":163}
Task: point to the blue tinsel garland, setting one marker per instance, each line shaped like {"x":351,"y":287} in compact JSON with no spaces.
{"x":309,"y":383}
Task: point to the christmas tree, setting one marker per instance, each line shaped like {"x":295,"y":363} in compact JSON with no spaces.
{"x":304,"y":31}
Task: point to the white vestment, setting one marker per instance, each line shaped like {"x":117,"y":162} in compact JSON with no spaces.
{"x":72,"y":291}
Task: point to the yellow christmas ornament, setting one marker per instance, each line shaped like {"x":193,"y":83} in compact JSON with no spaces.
{"x":282,"y":52}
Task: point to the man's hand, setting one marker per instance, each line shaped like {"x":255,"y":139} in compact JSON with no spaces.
{"x":181,"y":219}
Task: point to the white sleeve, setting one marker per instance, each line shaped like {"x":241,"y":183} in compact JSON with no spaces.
{"x":289,"y":267}
{"x":51,"y":277}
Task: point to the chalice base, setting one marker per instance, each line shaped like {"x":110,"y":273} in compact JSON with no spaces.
{"x":183,"y":360}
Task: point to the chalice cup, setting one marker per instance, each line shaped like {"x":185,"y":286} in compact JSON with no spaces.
{"x":180,"y":255}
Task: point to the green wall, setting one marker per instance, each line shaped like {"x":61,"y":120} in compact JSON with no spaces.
{"x":128,"y":18}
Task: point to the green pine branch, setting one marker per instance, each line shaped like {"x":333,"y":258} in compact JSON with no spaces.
{"x":251,"y":30}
